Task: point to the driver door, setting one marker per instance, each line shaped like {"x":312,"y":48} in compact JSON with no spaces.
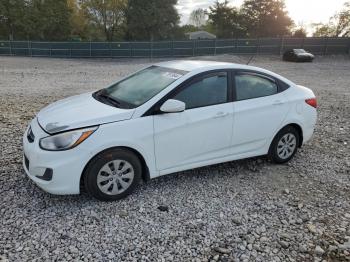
{"x":204,"y":130}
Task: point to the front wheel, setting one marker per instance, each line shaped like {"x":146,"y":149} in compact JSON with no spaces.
{"x":284,"y":145}
{"x":113,"y":174}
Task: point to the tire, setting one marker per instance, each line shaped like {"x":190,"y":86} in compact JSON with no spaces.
{"x":113,"y":174}
{"x":284,"y":145}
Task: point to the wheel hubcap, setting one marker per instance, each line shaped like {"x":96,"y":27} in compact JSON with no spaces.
{"x":115,"y":177}
{"x":286,"y":146}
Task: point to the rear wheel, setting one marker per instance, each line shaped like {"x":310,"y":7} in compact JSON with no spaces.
{"x":284,"y":145}
{"x":113,"y":174}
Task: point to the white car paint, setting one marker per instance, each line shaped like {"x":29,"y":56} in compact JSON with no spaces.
{"x":168,"y":142}
{"x":266,"y":113}
{"x":79,"y":111}
{"x":173,"y":106}
{"x":195,"y":135}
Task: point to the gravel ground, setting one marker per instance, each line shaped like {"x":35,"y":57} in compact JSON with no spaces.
{"x":249,"y":210}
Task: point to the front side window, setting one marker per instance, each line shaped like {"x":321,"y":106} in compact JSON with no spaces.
{"x":142,"y":86}
{"x":208,"y":90}
{"x":252,"y":86}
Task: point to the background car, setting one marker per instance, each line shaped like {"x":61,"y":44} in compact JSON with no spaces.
{"x":166,"y":118}
{"x":298,"y":55}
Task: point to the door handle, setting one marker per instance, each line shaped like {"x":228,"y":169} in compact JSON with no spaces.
{"x":221,"y":114}
{"x":278,"y":102}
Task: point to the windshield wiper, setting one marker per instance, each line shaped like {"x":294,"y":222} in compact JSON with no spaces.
{"x":108,"y":98}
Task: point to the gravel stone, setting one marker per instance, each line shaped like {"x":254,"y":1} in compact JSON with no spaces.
{"x":264,"y":239}
{"x":332,"y":248}
{"x":222,"y":250}
{"x":303,"y":248}
{"x":163,"y":208}
{"x":345,"y":246}
{"x":286,"y":191}
{"x":284,"y":244}
{"x":312,"y":228}
{"x":319,"y":251}
{"x":123,"y":214}
{"x":237,"y":220}
{"x":3,"y":259}
{"x":240,"y":206}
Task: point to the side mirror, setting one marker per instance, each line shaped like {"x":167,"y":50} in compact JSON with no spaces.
{"x":173,"y":106}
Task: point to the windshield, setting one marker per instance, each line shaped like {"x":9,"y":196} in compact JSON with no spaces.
{"x":299,"y":51}
{"x":143,"y":85}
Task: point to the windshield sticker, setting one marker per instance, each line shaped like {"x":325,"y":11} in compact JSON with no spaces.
{"x":172,"y":75}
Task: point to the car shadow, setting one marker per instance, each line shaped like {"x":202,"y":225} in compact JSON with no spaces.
{"x":145,"y":189}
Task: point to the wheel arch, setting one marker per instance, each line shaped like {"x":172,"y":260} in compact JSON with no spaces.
{"x":145,"y":168}
{"x":300,"y":132}
{"x":297,"y":127}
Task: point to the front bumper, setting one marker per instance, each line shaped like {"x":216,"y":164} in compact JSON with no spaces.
{"x":66,"y":167}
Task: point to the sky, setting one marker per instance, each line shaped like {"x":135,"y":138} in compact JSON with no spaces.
{"x":303,"y":12}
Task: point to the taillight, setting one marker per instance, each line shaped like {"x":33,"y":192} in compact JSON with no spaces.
{"x":312,"y":102}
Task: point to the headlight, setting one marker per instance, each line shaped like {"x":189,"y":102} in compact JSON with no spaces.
{"x":66,"y":140}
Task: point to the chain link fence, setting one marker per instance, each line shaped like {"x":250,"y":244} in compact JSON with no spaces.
{"x":316,"y":45}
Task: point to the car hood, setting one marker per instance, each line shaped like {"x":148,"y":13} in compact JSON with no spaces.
{"x":79,"y":111}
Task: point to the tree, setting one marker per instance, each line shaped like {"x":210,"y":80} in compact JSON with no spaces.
{"x":47,"y":20}
{"x":338,"y":25}
{"x":11,"y":19}
{"x":180,"y":32}
{"x":78,"y":20}
{"x":299,"y":33}
{"x":34,"y":19}
{"x":107,"y":16}
{"x":322,"y":30}
{"x":266,"y":18}
{"x":151,"y":19}
{"x":198,"y":17}
{"x":225,"y":21}
{"x":343,"y":21}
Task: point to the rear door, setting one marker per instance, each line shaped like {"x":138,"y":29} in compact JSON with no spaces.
{"x":259,"y":109}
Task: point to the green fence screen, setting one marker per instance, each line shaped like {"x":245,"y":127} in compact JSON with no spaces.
{"x":316,"y":45}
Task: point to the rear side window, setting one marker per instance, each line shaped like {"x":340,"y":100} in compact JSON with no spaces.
{"x":208,"y":90}
{"x":252,"y":86}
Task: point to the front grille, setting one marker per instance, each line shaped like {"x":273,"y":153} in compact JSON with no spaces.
{"x":30,"y":135}
{"x":26,"y":162}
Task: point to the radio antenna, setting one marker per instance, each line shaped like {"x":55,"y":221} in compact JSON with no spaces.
{"x":250,"y":59}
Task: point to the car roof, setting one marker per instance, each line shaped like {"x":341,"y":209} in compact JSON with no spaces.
{"x":192,"y":65}
{"x":201,"y":66}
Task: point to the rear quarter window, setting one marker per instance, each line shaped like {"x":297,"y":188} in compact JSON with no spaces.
{"x":282,"y":86}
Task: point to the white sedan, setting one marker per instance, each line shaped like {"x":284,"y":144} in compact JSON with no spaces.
{"x":165,"y":118}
